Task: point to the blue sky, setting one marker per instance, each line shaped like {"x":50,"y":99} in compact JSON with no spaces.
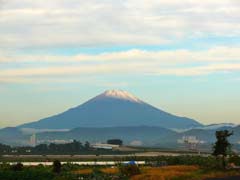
{"x":182,"y":57}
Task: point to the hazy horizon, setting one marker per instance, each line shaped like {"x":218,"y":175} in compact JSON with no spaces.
{"x":181,"y":57}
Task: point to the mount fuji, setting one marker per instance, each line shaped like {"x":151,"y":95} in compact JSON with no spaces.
{"x":113,"y":108}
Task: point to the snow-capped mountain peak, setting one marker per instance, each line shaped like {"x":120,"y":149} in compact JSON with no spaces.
{"x":120,"y":94}
{"x":113,"y":108}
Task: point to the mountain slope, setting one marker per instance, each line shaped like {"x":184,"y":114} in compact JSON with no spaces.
{"x":110,"y":109}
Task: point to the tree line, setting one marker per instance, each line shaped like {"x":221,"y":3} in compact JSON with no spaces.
{"x":52,"y":148}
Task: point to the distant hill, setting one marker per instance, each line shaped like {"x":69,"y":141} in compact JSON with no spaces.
{"x":113,"y":108}
{"x":208,"y":135}
{"x":12,"y":136}
{"x":147,"y":135}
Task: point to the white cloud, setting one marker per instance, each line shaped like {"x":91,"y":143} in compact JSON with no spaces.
{"x":168,"y":57}
{"x":56,"y":23}
{"x":135,"y":61}
{"x":78,"y":23}
{"x":69,"y":72}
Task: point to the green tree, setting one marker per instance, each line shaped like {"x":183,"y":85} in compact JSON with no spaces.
{"x":115,"y":141}
{"x":87,"y":145}
{"x":57,"y":166}
{"x":222,"y":146}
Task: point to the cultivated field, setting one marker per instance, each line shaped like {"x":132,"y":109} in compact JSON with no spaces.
{"x":181,"y":172}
